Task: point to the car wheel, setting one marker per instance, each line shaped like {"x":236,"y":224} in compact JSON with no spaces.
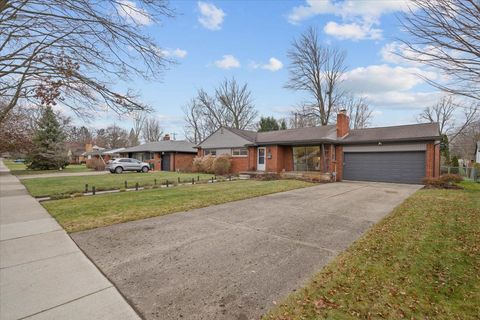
{"x":118,"y":170}
{"x":145,"y":169}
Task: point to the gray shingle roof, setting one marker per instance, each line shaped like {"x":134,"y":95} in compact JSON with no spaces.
{"x":412,"y":132}
{"x":164,"y":146}
{"x":246,"y":134}
{"x":299,"y":135}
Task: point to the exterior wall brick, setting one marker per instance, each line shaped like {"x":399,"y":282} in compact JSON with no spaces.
{"x":181,"y":162}
{"x":436,"y":171}
{"x":288,"y":158}
{"x":252,"y":158}
{"x":157,"y":161}
{"x":281,"y":160}
{"x":343,"y":125}
{"x":239,"y":164}
{"x":430,"y":160}
{"x":272,"y":162}
{"x":337,"y":164}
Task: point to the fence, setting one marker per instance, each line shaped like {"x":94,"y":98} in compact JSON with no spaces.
{"x":133,"y":185}
{"x":466,"y":172}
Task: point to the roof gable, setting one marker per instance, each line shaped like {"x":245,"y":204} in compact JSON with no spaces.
{"x":227,"y":138}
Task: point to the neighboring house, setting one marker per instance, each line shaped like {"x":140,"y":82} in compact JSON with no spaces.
{"x":391,"y":154}
{"x":96,"y":152}
{"x":75,"y":154}
{"x":165,"y":155}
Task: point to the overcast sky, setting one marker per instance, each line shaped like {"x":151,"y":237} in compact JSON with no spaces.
{"x":249,"y":40}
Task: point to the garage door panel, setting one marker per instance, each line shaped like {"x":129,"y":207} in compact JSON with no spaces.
{"x":403,"y":167}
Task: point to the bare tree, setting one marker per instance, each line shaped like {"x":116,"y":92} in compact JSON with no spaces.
{"x":73,"y":51}
{"x":16,"y":131}
{"x":318,"y":71}
{"x":231,"y":106}
{"x":464,"y":145}
{"x":138,"y":119}
{"x":152,"y":131}
{"x":195,"y":129}
{"x":445,"y":34}
{"x":444,"y":113}
{"x":117,"y":137}
{"x":358,"y":111}
{"x":302,"y":117}
{"x":237,"y":102}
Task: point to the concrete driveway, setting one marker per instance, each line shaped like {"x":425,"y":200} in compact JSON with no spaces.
{"x":234,"y":261}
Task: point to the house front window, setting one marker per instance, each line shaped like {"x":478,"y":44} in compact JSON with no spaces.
{"x":239,"y":152}
{"x":306,"y":158}
{"x":210,"y":152}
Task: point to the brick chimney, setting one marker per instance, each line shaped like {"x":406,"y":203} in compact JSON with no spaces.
{"x":343,"y":123}
{"x":166,"y":137}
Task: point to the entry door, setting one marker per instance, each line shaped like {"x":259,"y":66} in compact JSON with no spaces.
{"x":261,"y":159}
{"x":166,"y":162}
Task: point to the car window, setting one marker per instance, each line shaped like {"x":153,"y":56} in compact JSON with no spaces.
{"x":124,"y":160}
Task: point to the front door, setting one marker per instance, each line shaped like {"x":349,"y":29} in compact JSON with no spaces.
{"x":261,"y":159}
{"x":166,"y":162}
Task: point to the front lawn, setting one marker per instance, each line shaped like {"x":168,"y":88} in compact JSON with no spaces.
{"x":420,"y":262}
{"x":102,"y":210}
{"x":19,"y":169}
{"x":43,"y":187}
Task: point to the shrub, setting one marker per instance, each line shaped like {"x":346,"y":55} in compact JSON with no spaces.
{"x":96,"y":164}
{"x":198,"y":164}
{"x":207,"y":163}
{"x":433,"y":182}
{"x":451,"y":178}
{"x":455,"y":161}
{"x":267,"y":176}
{"x":445,"y":181}
{"x":222,"y":165}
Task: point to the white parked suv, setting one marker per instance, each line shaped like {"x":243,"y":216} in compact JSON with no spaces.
{"x":127,"y":164}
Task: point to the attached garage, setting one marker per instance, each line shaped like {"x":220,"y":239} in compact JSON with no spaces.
{"x":401,"y":167}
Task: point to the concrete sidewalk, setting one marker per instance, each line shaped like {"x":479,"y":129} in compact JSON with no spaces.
{"x":43,"y":274}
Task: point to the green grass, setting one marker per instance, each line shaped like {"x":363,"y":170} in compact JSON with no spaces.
{"x":84,"y":213}
{"x":42,"y":187}
{"x":19,"y":169}
{"x":420,"y":262}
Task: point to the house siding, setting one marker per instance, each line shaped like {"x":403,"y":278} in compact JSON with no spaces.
{"x":223,"y":139}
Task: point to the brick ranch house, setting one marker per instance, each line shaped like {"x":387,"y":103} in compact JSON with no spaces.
{"x":404,"y":154}
{"x":165,"y":155}
{"x":95,"y":152}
